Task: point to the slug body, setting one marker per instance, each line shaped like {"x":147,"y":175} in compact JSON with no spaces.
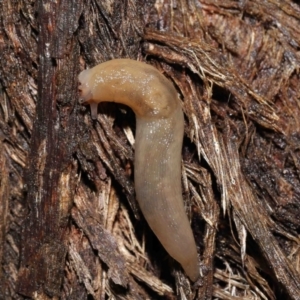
{"x":159,"y":135}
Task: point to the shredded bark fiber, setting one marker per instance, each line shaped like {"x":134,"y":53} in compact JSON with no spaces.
{"x":70,"y":226}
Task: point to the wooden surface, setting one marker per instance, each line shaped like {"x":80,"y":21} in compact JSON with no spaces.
{"x":70,"y":227}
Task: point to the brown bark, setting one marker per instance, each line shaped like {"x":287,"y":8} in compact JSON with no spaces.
{"x":70,"y":227}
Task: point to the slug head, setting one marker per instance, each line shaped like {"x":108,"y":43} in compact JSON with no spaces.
{"x":86,"y":96}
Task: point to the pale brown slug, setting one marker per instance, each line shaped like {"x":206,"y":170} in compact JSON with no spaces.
{"x":158,"y":144}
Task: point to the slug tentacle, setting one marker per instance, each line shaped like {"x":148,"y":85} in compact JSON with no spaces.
{"x":159,"y":135}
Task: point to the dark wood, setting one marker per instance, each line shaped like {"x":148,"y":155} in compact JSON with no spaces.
{"x":70,"y":227}
{"x":50,"y":167}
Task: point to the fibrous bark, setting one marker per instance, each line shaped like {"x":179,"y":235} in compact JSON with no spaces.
{"x":70,"y":227}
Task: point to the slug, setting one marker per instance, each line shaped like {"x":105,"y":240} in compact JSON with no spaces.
{"x":158,"y":145}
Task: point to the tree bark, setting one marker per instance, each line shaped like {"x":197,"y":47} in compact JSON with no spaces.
{"x":70,"y":227}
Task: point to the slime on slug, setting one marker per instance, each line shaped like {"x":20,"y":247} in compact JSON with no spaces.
{"x":158,"y":145}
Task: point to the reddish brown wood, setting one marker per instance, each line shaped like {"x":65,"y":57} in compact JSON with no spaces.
{"x":49,"y":181}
